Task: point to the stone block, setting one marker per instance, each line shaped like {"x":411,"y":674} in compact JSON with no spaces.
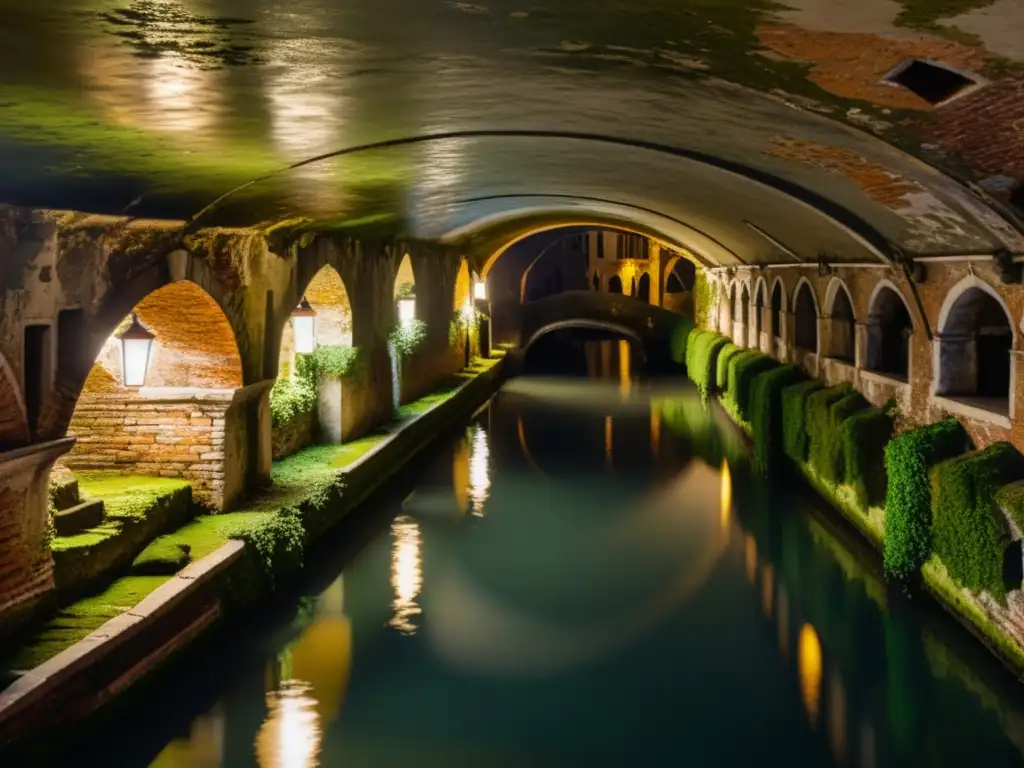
{"x":87,"y":514}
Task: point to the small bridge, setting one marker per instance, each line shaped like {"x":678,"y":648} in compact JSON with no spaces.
{"x":651,"y":327}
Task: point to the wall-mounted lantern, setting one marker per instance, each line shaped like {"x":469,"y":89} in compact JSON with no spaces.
{"x":304,"y":326}
{"x":479,"y":290}
{"x":136,"y":346}
{"x":406,"y":310}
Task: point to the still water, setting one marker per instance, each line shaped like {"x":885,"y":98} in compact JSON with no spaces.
{"x":585,"y":574}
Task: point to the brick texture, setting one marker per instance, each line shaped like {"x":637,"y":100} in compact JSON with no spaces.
{"x":327,"y":295}
{"x":26,"y":570}
{"x":169,"y":438}
{"x":13,"y":430}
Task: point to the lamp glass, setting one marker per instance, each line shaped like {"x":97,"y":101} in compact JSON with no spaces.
{"x":480,"y":290}
{"x":305,"y":333}
{"x":136,"y":360}
{"x":406,"y":311}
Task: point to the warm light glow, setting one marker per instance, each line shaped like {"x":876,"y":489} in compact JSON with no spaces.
{"x":809,"y":661}
{"x":608,"y":443}
{"x":625,"y":377}
{"x":479,"y":472}
{"x":467,"y":310}
{"x":750,"y":558}
{"x":479,"y":290}
{"x":305,"y":334}
{"x":290,"y":736}
{"x":726,"y":495}
{"x":406,"y":574}
{"x":406,"y":310}
{"x":767,"y":588}
{"x":460,"y":475}
{"x":136,"y":348}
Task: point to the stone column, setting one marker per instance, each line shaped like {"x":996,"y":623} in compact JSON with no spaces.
{"x":26,"y":567}
{"x":436,"y":273}
{"x":766,"y":342}
{"x":368,"y":269}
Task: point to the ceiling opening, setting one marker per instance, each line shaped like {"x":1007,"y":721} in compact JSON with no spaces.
{"x":933,"y":82}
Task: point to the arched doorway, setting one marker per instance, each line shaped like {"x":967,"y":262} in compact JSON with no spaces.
{"x":177,"y":345}
{"x":742,"y":327}
{"x":889,"y":330}
{"x":644,"y":288}
{"x":975,"y":341}
{"x":842,"y":324}
{"x":806,"y":319}
{"x":777,"y":312}
{"x":615,"y":284}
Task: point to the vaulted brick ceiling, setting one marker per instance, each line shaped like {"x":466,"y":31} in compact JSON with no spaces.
{"x":746,"y":131}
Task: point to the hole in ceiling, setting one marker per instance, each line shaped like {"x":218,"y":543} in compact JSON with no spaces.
{"x":932,"y":82}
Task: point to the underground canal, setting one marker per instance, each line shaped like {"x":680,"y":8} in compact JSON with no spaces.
{"x":584,"y":572}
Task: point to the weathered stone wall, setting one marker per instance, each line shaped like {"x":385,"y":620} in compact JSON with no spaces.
{"x":927,"y":302}
{"x":294,"y":436}
{"x":170,"y":437}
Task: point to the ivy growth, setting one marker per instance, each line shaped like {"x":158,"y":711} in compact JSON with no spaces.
{"x":406,"y":338}
{"x":294,"y":397}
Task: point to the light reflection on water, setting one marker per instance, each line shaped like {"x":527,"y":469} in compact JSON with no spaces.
{"x":290,"y":737}
{"x":479,"y":471}
{"x":406,"y":574}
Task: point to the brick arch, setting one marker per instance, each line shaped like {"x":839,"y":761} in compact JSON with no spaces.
{"x":13,"y":419}
{"x":781,"y":284}
{"x":956,"y":295}
{"x":835,"y":285}
{"x":195,"y":344}
{"x":761,"y":291}
{"x":806,"y":325}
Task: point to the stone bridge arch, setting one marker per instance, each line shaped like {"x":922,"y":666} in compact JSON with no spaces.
{"x":650,"y":327}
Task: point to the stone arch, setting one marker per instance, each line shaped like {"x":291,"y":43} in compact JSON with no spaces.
{"x":615,"y":284}
{"x":841,"y":320}
{"x":889,"y":327}
{"x":194,"y":355}
{"x":13,"y":418}
{"x":643,"y":288}
{"x":806,"y":314}
{"x":778,"y":302}
{"x":405,"y":278}
{"x":743,"y":314}
{"x":680,"y":275}
{"x":584,"y":324}
{"x":328,"y":296}
{"x":976,"y":335}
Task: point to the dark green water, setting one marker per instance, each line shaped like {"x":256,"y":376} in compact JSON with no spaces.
{"x":584,"y":575}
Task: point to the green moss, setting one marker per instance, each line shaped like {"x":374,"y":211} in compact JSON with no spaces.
{"x":162,"y":557}
{"x":970,"y":533}
{"x":743,"y":368}
{"x":819,"y":427}
{"x":766,"y":413}
{"x":864,"y":436}
{"x":678,"y":340}
{"x":728,"y":352}
{"x":908,"y":499}
{"x":702,"y":353}
{"x":827,"y":445}
{"x":794,"y":430}
{"x":424,"y":404}
{"x":1011,"y":499}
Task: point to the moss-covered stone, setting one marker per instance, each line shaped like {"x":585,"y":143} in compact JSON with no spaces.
{"x":162,"y":557}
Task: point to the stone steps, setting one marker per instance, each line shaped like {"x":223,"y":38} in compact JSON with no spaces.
{"x":78,"y":518}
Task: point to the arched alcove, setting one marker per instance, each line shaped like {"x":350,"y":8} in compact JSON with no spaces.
{"x":743,"y":313}
{"x":643,"y":290}
{"x":889,"y":328}
{"x":839,"y":308}
{"x":614,"y":284}
{"x":805,"y":309}
{"x":759,"y":300}
{"x":405,"y":282}
{"x":165,"y":408}
{"x":976,"y":336}
{"x":778,"y":296}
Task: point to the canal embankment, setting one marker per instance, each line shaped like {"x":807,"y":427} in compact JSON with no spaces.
{"x":945,"y":517}
{"x":85,"y":657}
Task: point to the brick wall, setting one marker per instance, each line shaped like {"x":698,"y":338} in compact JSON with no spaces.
{"x":26,"y":570}
{"x":13,"y":430}
{"x":327,"y":295}
{"x":131,"y":434}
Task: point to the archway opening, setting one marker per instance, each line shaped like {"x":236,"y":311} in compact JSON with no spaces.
{"x":643,"y":288}
{"x":889,"y":330}
{"x":157,"y":399}
{"x":744,"y":316}
{"x":755,"y":337}
{"x":843,"y":327}
{"x":615,"y":284}
{"x":777,"y":311}
{"x":806,"y":320}
{"x":316,"y":355}
{"x":975,"y":351}
{"x":590,"y":350}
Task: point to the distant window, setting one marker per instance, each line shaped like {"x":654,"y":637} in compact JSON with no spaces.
{"x":932,"y":82}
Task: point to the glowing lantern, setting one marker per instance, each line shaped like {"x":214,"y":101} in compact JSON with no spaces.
{"x":304,"y":325}
{"x":479,"y":290}
{"x":136,"y":345}
{"x":407,"y":310}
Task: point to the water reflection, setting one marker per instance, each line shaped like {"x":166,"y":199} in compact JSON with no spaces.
{"x":809,"y":664}
{"x":625,"y":371}
{"x":406,"y":574}
{"x":290,"y":737}
{"x":725,"y":495}
{"x":479,"y":471}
